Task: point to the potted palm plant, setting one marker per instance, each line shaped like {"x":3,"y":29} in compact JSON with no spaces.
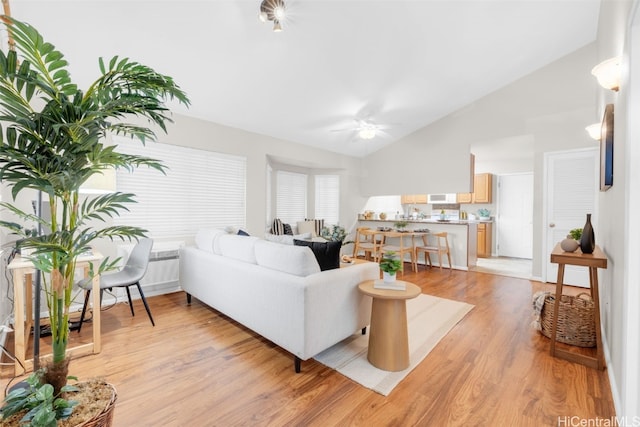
{"x":52,"y":141}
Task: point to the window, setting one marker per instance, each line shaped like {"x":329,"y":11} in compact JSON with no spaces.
{"x":291,"y":197}
{"x":328,"y":198}
{"x":201,"y":189}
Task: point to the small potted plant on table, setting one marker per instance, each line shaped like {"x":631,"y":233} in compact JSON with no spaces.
{"x":390,"y":265}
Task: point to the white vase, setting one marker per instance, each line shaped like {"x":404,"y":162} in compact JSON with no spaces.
{"x":388,"y":277}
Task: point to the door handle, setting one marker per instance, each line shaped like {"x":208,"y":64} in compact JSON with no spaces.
{"x":551,"y":225}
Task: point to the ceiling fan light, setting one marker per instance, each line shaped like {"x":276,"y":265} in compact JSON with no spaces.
{"x":279,"y":12}
{"x":367,"y":133}
{"x":276,"y":26}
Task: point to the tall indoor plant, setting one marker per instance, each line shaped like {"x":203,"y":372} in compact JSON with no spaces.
{"x":53,"y":140}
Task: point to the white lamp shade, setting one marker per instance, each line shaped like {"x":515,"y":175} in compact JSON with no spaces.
{"x":100,"y":183}
{"x":594,"y":130}
{"x":608,"y":73}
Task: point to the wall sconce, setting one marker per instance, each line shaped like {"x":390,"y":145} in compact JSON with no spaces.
{"x":608,"y":73}
{"x":273,"y":10}
{"x":594,"y":131}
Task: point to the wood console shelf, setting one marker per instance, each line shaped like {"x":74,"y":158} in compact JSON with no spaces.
{"x":592,"y":261}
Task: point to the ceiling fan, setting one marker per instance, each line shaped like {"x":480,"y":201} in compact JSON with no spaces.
{"x":364,"y":129}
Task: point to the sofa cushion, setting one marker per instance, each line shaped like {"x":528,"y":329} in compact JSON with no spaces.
{"x":318,"y":225}
{"x":205,"y":239}
{"x":238,"y":247}
{"x":307,"y":227}
{"x":294,"y":260}
{"x":286,"y":239}
{"x":327,"y":253}
{"x":277,"y":227}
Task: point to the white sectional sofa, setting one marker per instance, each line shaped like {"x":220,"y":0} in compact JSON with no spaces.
{"x":277,"y":290}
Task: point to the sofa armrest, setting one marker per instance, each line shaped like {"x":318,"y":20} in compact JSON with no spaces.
{"x":335,"y":308}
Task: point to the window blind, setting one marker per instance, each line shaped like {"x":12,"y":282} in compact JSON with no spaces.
{"x":327,"y":198}
{"x":291,"y":196}
{"x":202,"y":189}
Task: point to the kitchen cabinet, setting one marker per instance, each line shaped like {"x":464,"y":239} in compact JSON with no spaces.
{"x":484,"y":239}
{"x":412,"y":199}
{"x":482,"y":190}
{"x":464,"y":197}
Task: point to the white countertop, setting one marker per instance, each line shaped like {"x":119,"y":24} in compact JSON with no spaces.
{"x":432,"y":221}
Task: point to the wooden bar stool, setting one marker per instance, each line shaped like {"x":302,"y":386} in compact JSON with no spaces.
{"x":440,"y":247}
{"x":367,"y":241}
{"x":399,"y":249}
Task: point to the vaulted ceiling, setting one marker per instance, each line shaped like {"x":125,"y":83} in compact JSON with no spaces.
{"x":397,"y":64}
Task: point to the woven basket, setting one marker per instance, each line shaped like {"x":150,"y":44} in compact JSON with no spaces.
{"x":576,"y":319}
{"x":105,"y":417}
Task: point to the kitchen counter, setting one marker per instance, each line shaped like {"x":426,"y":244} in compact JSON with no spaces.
{"x":462,"y":236}
{"x":431,"y":221}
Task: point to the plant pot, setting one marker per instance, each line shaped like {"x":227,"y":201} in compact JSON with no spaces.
{"x":87,"y":414}
{"x":388,"y":277}
{"x":105,"y":417}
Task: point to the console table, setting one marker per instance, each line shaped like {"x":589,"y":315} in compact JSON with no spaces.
{"x":388,"y":335}
{"x":592,"y":261}
{"x":23,"y":270}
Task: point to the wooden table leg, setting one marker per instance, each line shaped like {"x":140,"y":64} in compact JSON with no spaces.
{"x":556,"y":308}
{"x":593,"y":281}
{"x":18,"y":324}
{"x":388,"y":339}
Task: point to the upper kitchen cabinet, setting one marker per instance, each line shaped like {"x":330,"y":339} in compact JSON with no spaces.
{"x":413,"y":199}
{"x":464,"y":198}
{"x":482,"y":190}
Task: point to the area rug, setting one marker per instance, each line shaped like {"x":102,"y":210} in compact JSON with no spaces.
{"x":429,"y":319}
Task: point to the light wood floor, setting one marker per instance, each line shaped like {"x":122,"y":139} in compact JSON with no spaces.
{"x":199,"y":368}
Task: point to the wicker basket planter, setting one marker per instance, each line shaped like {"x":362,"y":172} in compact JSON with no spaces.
{"x":576,"y":319}
{"x":105,"y":417}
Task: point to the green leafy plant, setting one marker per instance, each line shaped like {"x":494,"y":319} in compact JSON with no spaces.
{"x":44,"y":407}
{"x":484,"y":212}
{"x":390,"y":263}
{"x":52,"y":141}
{"x":575,"y":234}
{"x":335,"y":233}
{"x":400,"y":224}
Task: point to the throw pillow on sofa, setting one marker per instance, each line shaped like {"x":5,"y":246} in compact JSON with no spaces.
{"x":327,"y":253}
{"x":307,"y":227}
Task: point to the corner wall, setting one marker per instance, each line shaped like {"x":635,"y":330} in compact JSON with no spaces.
{"x":618,"y":34}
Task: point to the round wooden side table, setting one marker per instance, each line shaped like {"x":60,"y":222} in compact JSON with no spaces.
{"x":388,"y":336}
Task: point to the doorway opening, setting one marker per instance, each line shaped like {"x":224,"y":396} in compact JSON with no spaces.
{"x":505,"y":266}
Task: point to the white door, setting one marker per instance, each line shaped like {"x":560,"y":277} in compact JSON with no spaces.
{"x":514,"y":224}
{"x":570,"y":193}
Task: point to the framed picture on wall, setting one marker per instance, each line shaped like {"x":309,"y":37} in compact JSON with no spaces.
{"x":606,"y":149}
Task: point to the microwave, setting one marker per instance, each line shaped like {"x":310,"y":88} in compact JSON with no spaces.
{"x":441,"y":198}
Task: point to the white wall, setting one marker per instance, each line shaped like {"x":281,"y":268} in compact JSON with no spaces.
{"x":618,"y":230}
